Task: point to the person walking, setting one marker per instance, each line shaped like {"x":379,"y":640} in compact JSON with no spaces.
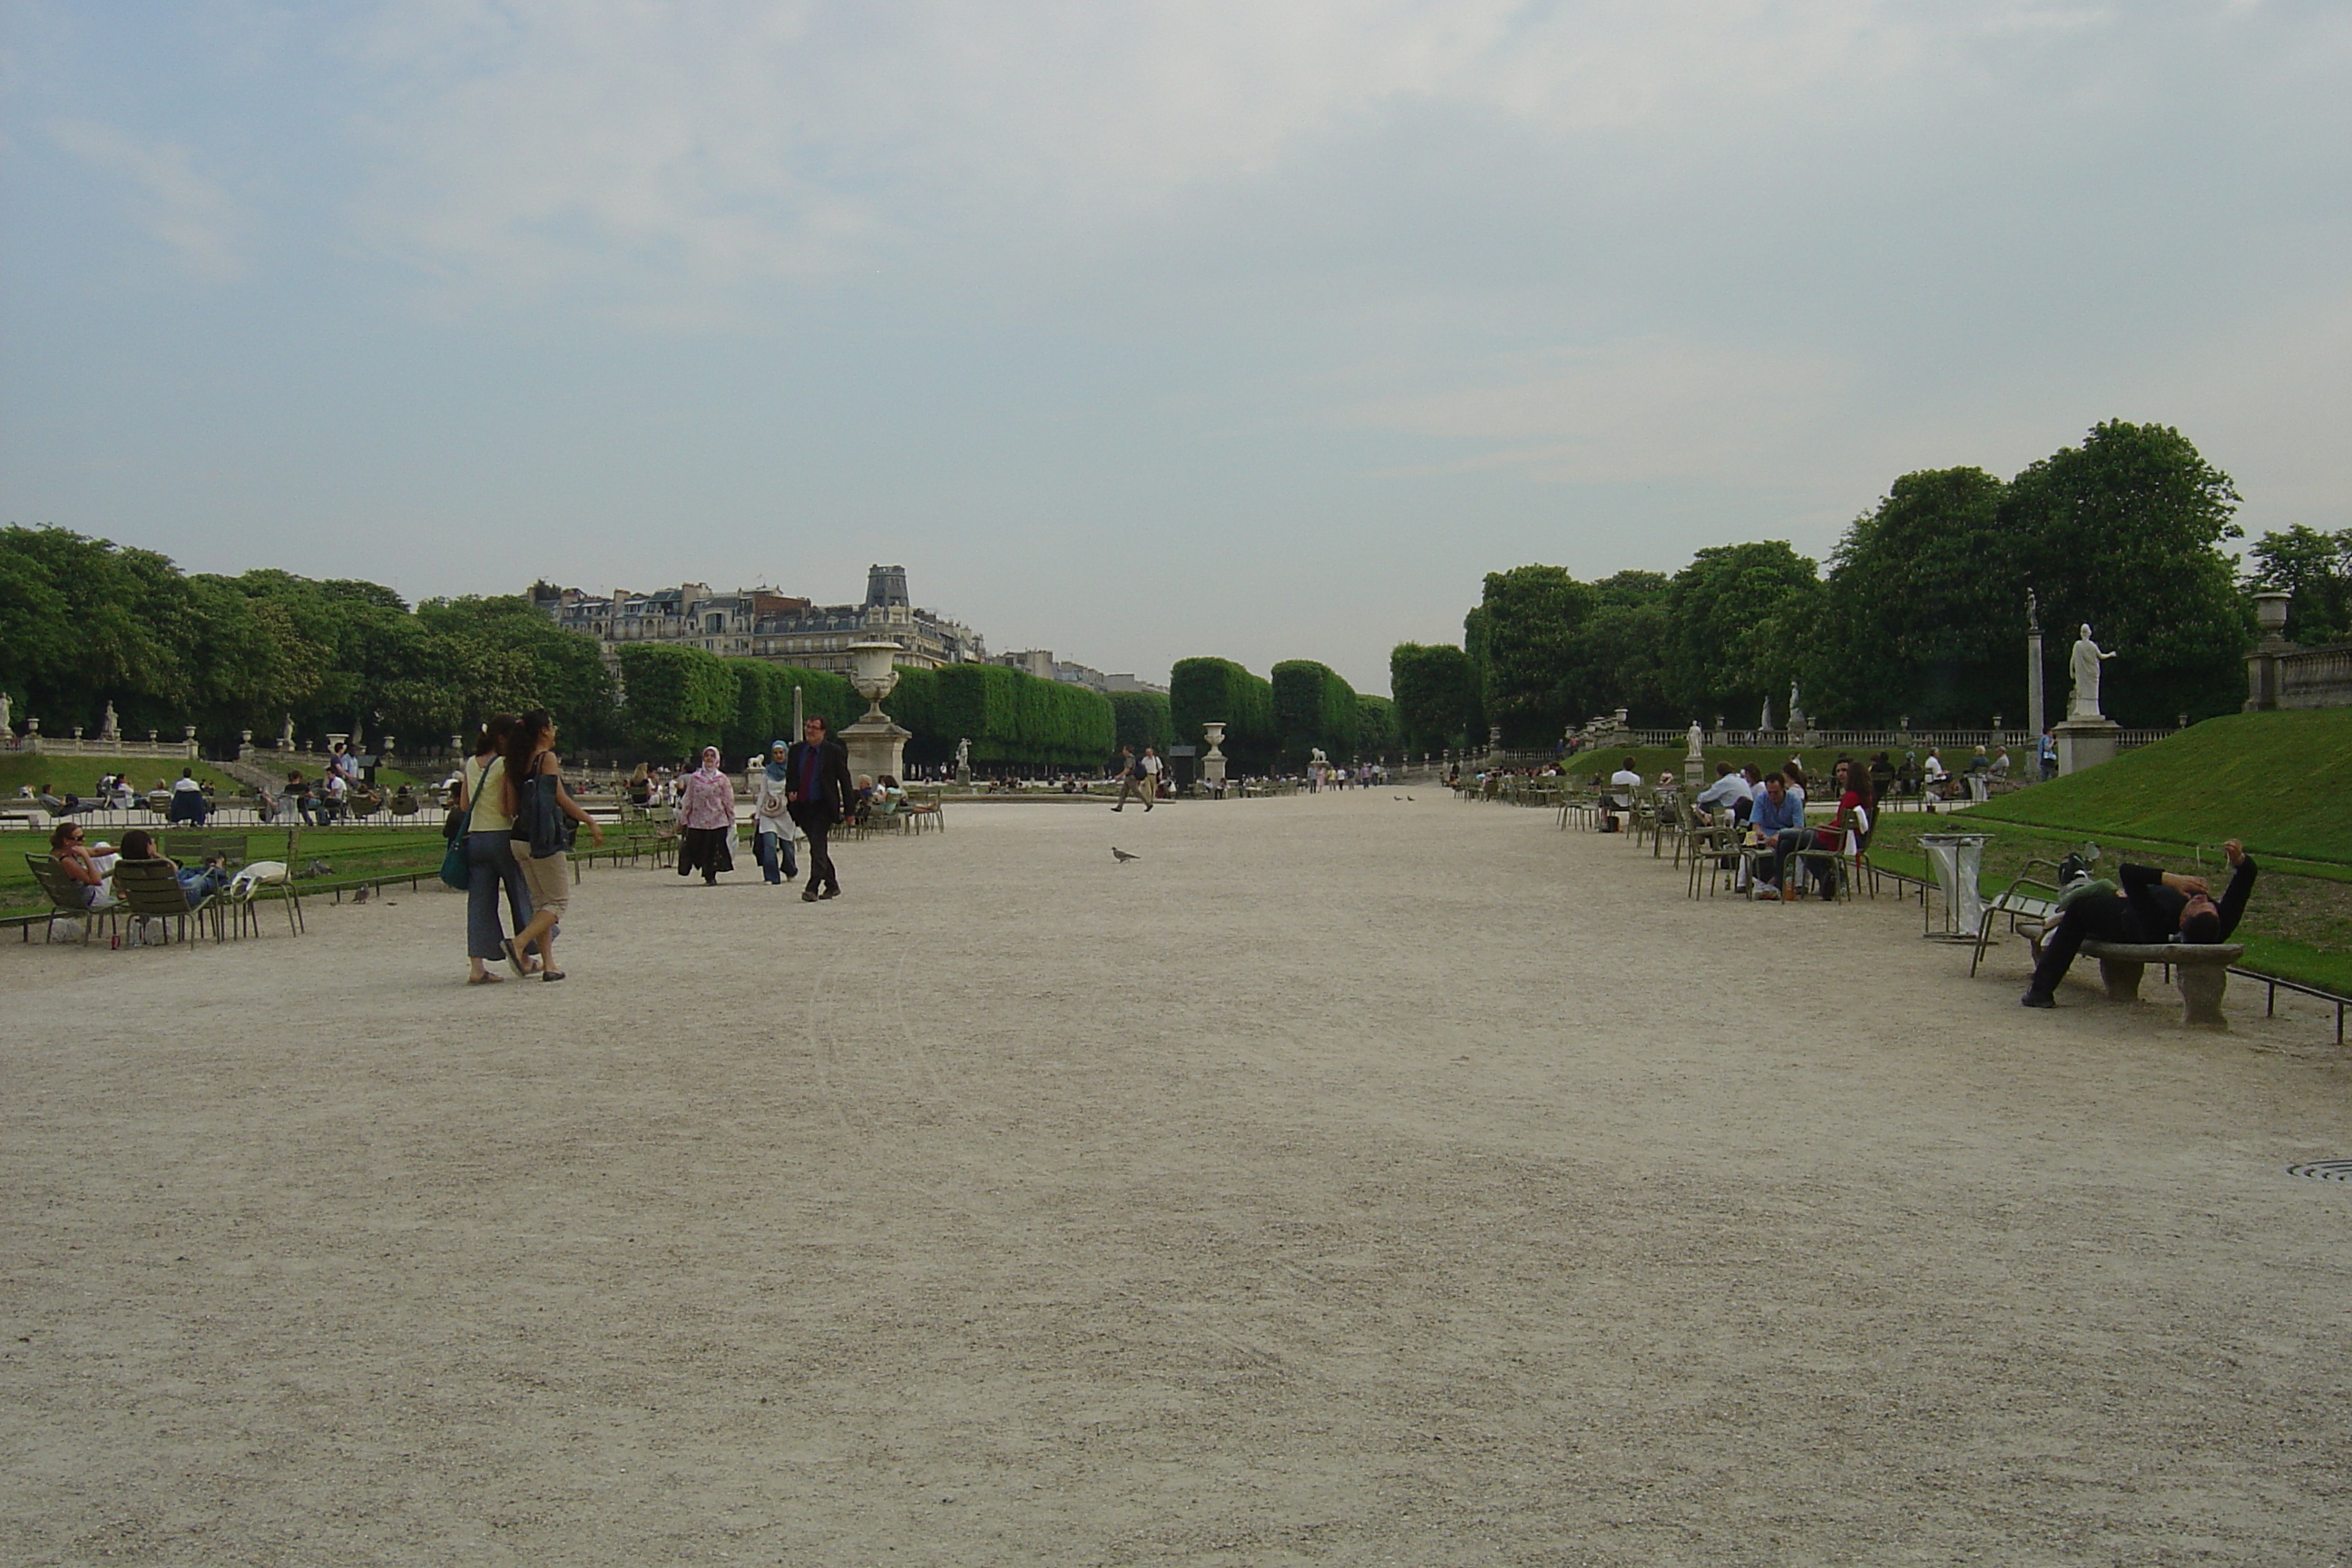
{"x":816,"y":796}
{"x":705,"y":819}
{"x":1137,"y":775}
{"x":546,"y":819}
{"x":771,"y":824}
{"x":491,"y":863}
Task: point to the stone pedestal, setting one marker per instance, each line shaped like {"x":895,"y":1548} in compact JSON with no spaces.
{"x":2085,"y":743}
{"x":963,"y":774}
{"x":875,"y":748}
{"x":1212,"y":765}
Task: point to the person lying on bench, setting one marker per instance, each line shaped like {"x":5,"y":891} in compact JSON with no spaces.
{"x":2153,"y":907}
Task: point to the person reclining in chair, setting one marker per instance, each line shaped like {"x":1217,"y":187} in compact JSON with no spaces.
{"x":2152,"y":906}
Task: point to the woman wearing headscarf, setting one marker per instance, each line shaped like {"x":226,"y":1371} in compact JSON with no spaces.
{"x":771,"y":829}
{"x":705,"y":815}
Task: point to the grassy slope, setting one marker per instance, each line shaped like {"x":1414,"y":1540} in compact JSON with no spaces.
{"x":2271,"y":779}
{"x":79,"y":774}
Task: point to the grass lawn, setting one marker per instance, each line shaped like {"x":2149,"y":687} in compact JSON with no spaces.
{"x":2298,"y":926}
{"x":352,"y":855}
{"x":79,"y":775}
{"x":2266,"y":778}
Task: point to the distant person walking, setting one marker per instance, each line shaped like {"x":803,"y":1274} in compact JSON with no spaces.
{"x":1140,"y":776}
{"x":706,"y":818}
{"x":546,"y":818}
{"x":818,"y":796}
{"x":491,"y":863}
{"x":771,"y":824}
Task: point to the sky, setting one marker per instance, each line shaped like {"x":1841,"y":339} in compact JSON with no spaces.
{"x":1142,"y":330}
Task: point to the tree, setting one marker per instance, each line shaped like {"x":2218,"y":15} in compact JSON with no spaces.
{"x":679,"y":700}
{"x":1436,"y":696}
{"x":1924,"y":609}
{"x":1738,"y":619}
{"x":1201,"y":690}
{"x":2317,"y":568}
{"x":1377,"y":736}
{"x":1313,"y":710}
{"x":1617,"y":658}
{"x":1522,"y":638}
{"x":1143,"y":719}
{"x":2124,"y":532}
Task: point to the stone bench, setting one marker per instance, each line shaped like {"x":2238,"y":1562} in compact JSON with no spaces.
{"x":2200,"y":969}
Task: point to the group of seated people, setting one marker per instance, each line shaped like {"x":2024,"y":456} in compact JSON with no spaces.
{"x":92,"y":865}
{"x":1771,"y":807}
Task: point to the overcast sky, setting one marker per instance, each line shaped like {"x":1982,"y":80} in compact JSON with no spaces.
{"x":1142,"y":330}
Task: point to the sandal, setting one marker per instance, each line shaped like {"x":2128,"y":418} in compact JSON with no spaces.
{"x":550,"y":975}
{"x":486,"y":978}
{"x":514,"y":961}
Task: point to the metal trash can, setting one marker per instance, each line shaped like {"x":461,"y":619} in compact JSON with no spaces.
{"x":1954,"y":858}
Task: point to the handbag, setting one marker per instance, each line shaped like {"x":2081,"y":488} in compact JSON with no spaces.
{"x":551,"y":832}
{"x":456,"y":871}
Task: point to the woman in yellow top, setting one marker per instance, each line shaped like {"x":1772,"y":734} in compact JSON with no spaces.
{"x":489,"y":852}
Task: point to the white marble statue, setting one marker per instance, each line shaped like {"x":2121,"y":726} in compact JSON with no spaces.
{"x":7,"y":719}
{"x":109,"y":728}
{"x":1698,"y":741}
{"x":964,"y":755}
{"x":285,"y":736}
{"x":2087,"y":657}
{"x":1766,"y":721}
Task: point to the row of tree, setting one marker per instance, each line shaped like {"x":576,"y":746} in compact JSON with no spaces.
{"x":1922,"y":611}
{"x":84,"y":623}
{"x":1278,"y":724}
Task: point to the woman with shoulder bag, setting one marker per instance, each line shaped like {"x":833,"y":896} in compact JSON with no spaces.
{"x":489,"y":852}
{"x":546,"y":818}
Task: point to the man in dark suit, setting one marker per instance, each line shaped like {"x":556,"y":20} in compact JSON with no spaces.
{"x":817,"y":795}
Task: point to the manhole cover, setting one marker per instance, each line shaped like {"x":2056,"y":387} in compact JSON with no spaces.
{"x":2324,"y":1169}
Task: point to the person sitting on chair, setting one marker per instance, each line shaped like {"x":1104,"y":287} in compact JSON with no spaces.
{"x":1778,"y":817}
{"x":87,"y":865}
{"x":195,"y":885}
{"x":2152,"y":906}
{"x":188,"y":802}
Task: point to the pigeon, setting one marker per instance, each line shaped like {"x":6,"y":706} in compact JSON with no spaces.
{"x":1121,"y":856}
{"x":360,"y":897}
{"x":317,"y":869}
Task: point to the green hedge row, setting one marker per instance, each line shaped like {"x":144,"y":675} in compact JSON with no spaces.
{"x":763,"y":704}
{"x":1203,"y":689}
{"x":1009,"y":715}
{"x":1314,"y":710}
{"x":1144,"y":719}
{"x":680,"y":700}
{"x":1377,"y":734}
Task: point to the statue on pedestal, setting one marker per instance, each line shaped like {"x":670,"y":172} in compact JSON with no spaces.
{"x":1765,"y":723}
{"x":2088,"y":656}
{"x":285,"y":736}
{"x":1697,"y":741}
{"x":964,"y":755}
{"x":109,"y":728}
{"x":7,"y":725}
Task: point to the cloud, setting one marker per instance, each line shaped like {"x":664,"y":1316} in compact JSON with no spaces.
{"x":523,"y":142}
{"x":1641,"y":408}
{"x":190,"y":214}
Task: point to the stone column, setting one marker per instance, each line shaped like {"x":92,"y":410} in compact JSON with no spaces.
{"x":2261,"y":665}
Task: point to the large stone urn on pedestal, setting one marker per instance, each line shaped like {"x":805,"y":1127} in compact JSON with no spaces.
{"x":1212,"y":765}
{"x":876,"y":745}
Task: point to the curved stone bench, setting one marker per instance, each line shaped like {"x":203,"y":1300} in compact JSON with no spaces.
{"x":2202,"y":971}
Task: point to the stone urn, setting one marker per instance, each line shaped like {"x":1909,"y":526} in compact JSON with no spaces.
{"x":875,"y":744}
{"x":1212,"y":766}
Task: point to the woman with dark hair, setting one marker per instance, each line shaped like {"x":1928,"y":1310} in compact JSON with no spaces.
{"x":544,"y":813}
{"x":197,"y":886}
{"x":1850,"y":828}
{"x":489,"y":852}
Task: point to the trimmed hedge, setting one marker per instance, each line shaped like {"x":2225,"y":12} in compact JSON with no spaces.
{"x":1201,"y":689}
{"x":1143,"y":719}
{"x":1376,"y":727}
{"x":1313,"y":708}
{"x":1009,"y":715}
{"x":763,"y":705}
{"x":679,"y":700}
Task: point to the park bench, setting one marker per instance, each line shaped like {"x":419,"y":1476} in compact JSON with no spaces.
{"x":2202,"y":969}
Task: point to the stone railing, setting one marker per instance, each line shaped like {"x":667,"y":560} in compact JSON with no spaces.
{"x":154,"y":748}
{"x":2315,"y":677}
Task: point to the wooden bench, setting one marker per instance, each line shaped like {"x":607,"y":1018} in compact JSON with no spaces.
{"x":2201,"y":971}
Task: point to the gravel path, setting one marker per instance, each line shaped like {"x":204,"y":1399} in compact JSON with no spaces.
{"x":1348,"y":1180}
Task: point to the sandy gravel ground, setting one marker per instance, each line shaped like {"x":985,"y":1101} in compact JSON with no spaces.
{"x":1346,"y":1181}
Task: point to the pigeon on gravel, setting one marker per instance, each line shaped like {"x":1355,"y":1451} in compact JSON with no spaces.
{"x":1121,"y":856}
{"x":362,"y":896}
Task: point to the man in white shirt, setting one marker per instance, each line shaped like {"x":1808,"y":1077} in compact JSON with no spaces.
{"x":1622,"y":785}
{"x":1150,"y":765}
